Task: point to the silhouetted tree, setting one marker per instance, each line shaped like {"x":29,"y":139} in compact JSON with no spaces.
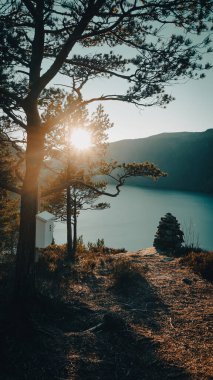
{"x":42,"y":41}
{"x":67,"y":203}
{"x":169,"y":236}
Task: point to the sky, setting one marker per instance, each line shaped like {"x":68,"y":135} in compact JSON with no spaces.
{"x":192,"y":111}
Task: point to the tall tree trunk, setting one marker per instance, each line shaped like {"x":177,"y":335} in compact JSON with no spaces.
{"x":25,"y":261}
{"x":74,"y":227}
{"x":69,"y":225}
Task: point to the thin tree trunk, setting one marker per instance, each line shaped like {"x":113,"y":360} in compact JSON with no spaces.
{"x":25,"y":261}
{"x":69,"y":225}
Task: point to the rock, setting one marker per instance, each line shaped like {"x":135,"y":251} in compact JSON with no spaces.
{"x":165,"y":259}
{"x":187,"y":281}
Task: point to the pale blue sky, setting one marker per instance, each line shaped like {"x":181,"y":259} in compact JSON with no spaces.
{"x":192,"y":110}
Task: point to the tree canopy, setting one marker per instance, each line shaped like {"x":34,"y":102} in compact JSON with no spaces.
{"x":144,"y":43}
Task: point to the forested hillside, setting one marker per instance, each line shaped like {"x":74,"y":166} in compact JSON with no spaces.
{"x":187,"y":157}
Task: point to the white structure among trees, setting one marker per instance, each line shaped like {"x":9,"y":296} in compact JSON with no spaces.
{"x":44,"y":229}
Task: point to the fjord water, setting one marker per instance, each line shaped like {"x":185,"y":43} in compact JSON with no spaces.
{"x":132,"y":220}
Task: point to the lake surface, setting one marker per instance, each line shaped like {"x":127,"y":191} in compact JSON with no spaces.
{"x":132,"y":220}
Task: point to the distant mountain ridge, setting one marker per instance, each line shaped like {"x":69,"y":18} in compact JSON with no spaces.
{"x":187,"y":157}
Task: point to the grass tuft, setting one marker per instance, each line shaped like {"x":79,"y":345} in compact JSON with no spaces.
{"x":201,"y":263}
{"x":127,"y":276}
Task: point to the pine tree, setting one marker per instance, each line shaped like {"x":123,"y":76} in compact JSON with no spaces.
{"x":67,"y":203}
{"x":169,"y":236}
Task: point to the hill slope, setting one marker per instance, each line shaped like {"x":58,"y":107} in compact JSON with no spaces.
{"x":185,"y":156}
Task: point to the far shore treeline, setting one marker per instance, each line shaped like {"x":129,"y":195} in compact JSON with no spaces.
{"x":185,"y":156}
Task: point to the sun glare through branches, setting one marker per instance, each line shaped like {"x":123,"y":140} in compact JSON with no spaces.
{"x":81,"y":139}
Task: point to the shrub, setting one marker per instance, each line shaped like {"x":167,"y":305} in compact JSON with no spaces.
{"x":126,"y":275}
{"x":51,"y":258}
{"x":9,"y":224}
{"x":88,"y":263}
{"x":99,"y":247}
{"x":81,"y":248}
{"x":185,"y":250}
{"x":201,"y":263}
{"x":169,"y":237}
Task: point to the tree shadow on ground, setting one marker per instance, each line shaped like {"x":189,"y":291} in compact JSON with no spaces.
{"x":32,"y":343}
{"x":140,"y":299}
{"x":118,"y":355}
{"x":53,"y":340}
{"x":117,"y":350}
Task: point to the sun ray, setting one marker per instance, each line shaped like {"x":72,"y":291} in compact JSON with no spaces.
{"x":81,"y":139}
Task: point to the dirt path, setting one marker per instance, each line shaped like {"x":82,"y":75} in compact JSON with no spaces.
{"x":166,"y":327}
{"x":186,"y":333}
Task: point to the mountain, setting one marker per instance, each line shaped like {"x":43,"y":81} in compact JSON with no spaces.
{"x":187,"y":157}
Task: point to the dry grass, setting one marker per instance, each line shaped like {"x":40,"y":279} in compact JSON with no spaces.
{"x":201,"y":263}
{"x":126,"y":275}
{"x":159,"y":329}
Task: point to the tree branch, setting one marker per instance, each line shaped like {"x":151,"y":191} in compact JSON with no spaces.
{"x":37,"y":44}
{"x":15,"y":118}
{"x":66,"y":48}
{"x":12,"y":96}
{"x":81,"y":183}
{"x":99,"y":69}
{"x":29,"y":5}
{"x":49,"y":124}
{"x":142,"y":169}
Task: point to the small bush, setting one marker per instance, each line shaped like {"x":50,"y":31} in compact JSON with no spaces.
{"x":185,"y":250}
{"x":51,"y":259}
{"x":201,"y":263}
{"x":99,"y":247}
{"x":126,"y":276}
{"x":81,"y":248}
{"x":88,"y":262}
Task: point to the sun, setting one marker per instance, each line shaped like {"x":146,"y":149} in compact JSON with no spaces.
{"x":81,"y":139}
